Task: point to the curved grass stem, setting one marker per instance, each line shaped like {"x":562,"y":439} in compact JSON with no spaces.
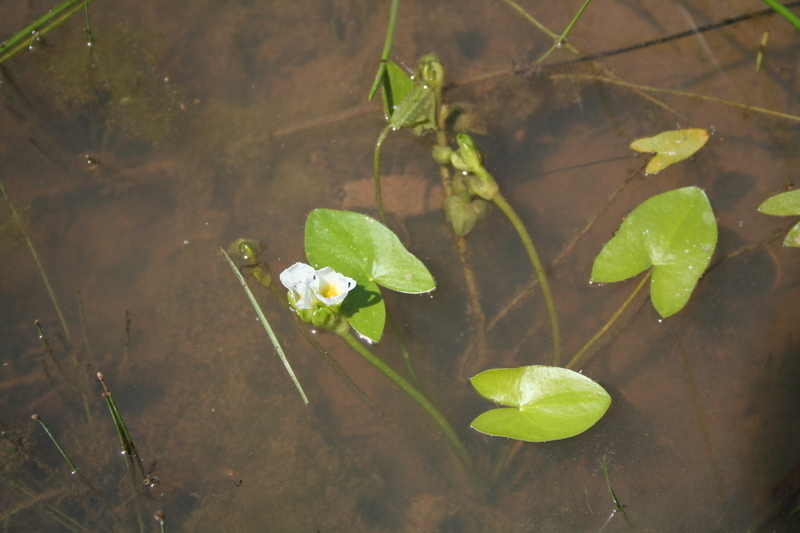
{"x":586,"y":347}
{"x":501,"y":202}
{"x":377,"y":362}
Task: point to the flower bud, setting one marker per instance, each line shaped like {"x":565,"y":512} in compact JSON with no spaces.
{"x":442,"y":154}
{"x":469,"y":153}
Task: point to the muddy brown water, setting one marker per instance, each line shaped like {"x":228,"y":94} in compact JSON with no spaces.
{"x":186,"y":126}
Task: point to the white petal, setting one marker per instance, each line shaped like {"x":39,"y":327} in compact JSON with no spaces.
{"x":297,"y":278}
{"x":330,"y":287}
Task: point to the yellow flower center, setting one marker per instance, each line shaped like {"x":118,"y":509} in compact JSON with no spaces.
{"x":329,"y":291}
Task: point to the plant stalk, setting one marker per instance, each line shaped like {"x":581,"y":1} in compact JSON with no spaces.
{"x":412,"y":391}
{"x":387,"y":48}
{"x":501,"y":202}
{"x":376,"y":172}
{"x":575,"y":360}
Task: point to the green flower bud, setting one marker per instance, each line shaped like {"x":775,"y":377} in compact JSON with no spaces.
{"x":442,"y":154}
{"x":482,"y":185}
{"x":469,"y":153}
{"x":431,"y":71}
{"x":463,"y":212}
{"x":323,"y":317}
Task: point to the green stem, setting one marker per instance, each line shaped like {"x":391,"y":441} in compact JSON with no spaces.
{"x":18,"y":220}
{"x":387,"y":48}
{"x":406,"y":356}
{"x":42,"y":26}
{"x":376,"y":171}
{"x":558,"y":42}
{"x":781,"y":10}
{"x":267,"y":327}
{"x":449,"y":432}
{"x":575,"y":360}
{"x":501,"y":202}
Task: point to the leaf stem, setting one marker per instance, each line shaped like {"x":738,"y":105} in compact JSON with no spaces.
{"x":267,"y":327}
{"x":561,"y":38}
{"x":412,"y":391}
{"x":387,"y":48}
{"x":501,"y":202}
{"x":575,"y":360}
{"x":376,"y":172}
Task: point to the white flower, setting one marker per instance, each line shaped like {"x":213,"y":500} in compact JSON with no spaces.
{"x":330,"y":287}
{"x":307,"y":286}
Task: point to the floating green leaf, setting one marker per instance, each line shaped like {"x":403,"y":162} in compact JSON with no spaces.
{"x":670,"y":147}
{"x":545,"y":403}
{"x":785,"y":204}
{"x":675,"y":233}
{"x":367,"y":251}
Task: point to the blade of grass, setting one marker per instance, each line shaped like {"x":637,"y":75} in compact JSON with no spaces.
{"x":128,"y":449}
{"x":267,"y":327}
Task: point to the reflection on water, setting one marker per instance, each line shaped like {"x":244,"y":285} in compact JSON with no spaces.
{"x":189,"y":126}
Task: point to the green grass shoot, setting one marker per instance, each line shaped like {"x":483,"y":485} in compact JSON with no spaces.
{"x":267,"y":327}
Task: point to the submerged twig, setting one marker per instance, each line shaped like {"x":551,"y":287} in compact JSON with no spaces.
{"x":267,"y":327}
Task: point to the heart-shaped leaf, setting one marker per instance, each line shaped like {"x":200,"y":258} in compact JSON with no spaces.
{"x":785,"y":204}
{"x":674,"y":232}
{"x":367,"y":251}
{"x":545,"y":403}
{"x":670,"y":147}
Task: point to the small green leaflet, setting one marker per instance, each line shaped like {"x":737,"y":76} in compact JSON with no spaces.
{"x":396,"y":86}
{"x":675,"y":233}
{"x":544,"y":403}
{"x":362,"y":248}
{"x":785,"y":204}
{"x":670,"y":147}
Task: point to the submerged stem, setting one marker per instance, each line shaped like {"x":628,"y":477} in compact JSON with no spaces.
{"x":501,"y":202}
{"x":412,"y":391}
{"x":575,"y":360}
{"x":18,"y":220}
{"x":376,"y":171}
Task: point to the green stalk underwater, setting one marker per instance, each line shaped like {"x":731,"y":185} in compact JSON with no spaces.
{"x":401,"y":382}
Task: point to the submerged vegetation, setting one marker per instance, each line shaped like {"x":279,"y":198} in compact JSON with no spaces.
{"x":347,"y":281}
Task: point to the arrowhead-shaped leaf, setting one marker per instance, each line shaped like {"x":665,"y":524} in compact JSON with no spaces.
{"x":367,"y":251}
{"x":670,"y":147}
{"x":545,"y":403}
{"x":675,"y":233}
